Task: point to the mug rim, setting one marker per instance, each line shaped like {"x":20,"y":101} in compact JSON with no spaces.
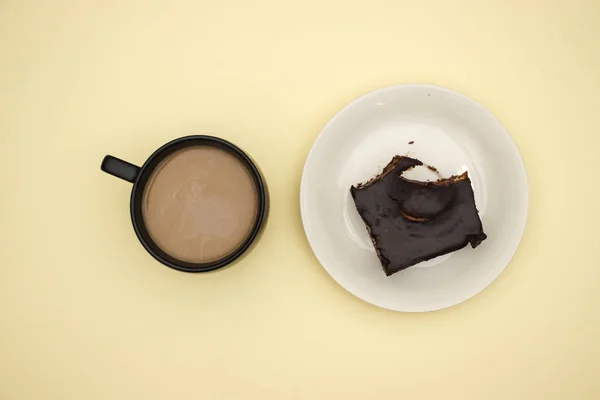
{"x":139,"y":225}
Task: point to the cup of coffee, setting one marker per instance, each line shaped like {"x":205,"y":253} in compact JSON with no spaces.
{"x":197,"y":204}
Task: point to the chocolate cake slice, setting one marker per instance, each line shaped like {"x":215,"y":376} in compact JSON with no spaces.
{"x":411,"y":221}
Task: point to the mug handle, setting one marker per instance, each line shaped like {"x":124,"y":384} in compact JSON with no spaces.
{"x":119,"y":168}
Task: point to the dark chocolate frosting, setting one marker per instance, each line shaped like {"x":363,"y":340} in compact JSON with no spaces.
{"x":411,"y":221}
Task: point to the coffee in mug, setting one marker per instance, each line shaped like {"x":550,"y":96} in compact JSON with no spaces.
{"x":197,"y":204}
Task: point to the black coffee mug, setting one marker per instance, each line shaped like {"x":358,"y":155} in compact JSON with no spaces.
{"x":139,"y":177}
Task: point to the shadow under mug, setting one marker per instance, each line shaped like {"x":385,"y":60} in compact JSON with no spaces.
{"x":139,"y":177}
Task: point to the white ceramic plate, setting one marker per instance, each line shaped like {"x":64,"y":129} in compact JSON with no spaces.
{"x":451,"y":132}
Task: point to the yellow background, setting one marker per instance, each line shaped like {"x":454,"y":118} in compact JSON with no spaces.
{"x":86,"y":313}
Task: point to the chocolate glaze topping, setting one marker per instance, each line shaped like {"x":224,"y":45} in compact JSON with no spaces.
{"x":411,"y":221}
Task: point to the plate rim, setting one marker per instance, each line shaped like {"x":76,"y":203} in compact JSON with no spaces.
{"x":303,"y":187}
